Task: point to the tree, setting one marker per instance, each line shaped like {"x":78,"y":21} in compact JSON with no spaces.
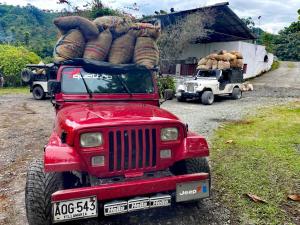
{"x":13,"y":60}
{"x":176,"y":37}
{"x":287,"y":44}
{"x":26,"y":38}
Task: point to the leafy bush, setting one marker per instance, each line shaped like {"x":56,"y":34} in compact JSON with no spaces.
{"x":275,"y":65}
{"x":13,"y":60}
{"x":164,"y":83}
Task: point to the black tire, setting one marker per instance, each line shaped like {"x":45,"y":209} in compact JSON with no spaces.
{"x":207,"y":98}
{"x":181,"y":99}
{"x":38,"y":93}
{"x":27,"y":76}
{"x":39,"y":188}
{"x":190,"y":166}
{"x":236,"y":93}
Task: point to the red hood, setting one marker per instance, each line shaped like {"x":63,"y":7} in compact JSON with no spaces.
{"x":75,"y":117}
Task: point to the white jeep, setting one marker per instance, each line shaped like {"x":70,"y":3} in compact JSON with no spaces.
{"x":208,"y":83}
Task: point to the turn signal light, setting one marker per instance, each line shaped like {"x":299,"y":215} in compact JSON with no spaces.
{"x":98,"y":161}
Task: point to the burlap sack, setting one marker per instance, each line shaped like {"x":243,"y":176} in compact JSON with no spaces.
{"x":118,"y":25}
{"x":146,"y":52}
{"x":237,"y":54}
{"x":237,"y":63}
{"x":209,"y":63}
{"x":223,"y":65}
{"x":87,"y":28}
{"x":69,"y":46}
{"x":213,"y":56}
{"x":202,"y":61}
{"x":203,"y":67}
{"x":222,"y":52}
{"x":214,"y":64}
{"x":122,"y":49}
{"x":147,"y":30}
{"x":98,"y":49}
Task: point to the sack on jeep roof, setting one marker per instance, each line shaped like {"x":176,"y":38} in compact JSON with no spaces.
{"x":223,"y":65}
{"x":146,"y":52}
{"x":147,"y":30}
{"x":237,"y":54}
{"x":88,"y":28}
{"x":98,"y":49}
{"x":69,"y":46}
{"x":214,"y":64}
{"x":117,"y":25}
{"x":237,"y":63}
{"x":122,"y":49}
{"x":202,"y":61}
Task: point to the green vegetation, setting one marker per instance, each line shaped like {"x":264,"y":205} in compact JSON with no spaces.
{"x":20,"y":90}
{"x":275,"y":65}
{"x":260,"y":156}
{"x":164,"y":83}
{"x":285,"y":45}
{"x":28,"y":26}
{"x":13,"y":60}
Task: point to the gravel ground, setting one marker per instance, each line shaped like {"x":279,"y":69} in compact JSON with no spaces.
{"x":25,"y":125}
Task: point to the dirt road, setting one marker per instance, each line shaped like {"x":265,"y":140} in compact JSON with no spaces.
{"x":25,"y":125}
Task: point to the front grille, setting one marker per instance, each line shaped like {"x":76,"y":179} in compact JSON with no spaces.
{"x":190,"y":87}
{"x":132,"y":149}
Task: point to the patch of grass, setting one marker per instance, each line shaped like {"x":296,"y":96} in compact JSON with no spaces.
{"x":275,"y":65}
{"x":18,"y":90}
{"x":291,"y":65}
{"x":261,"y":158}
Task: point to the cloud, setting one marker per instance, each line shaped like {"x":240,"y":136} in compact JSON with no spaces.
{"x":275,"y":14}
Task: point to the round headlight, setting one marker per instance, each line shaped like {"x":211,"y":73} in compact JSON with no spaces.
{"x":169,"y":134}
{"x":88,"y":140}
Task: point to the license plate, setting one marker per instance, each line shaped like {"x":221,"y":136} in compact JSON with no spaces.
{"x":192,"y":190}
{"x":75,"y":209}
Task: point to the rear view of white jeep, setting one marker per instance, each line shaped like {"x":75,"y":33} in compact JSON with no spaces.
{"x":208,"y":83}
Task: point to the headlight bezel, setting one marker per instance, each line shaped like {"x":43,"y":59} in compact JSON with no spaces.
{"x":97,"y":143}
{"x":170,"y":130}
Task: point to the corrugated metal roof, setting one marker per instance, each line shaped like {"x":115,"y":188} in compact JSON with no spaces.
{"x":227,"y":26}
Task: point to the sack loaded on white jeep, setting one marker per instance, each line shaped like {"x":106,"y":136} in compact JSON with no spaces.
{"x":208,"y":83}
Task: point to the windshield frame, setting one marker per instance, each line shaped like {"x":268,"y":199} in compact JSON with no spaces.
{"x":125,"y":93}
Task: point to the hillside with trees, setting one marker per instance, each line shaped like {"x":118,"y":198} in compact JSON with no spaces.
{"x":28,"y":26}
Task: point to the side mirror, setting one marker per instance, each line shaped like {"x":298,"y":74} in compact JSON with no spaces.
{"x":168,"y":94}
{"x":54,"y":87}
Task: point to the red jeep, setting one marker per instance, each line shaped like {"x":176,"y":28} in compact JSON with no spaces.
{"x":113,"y":150}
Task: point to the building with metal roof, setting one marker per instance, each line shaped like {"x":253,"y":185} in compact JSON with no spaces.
{"x":226,"y":32}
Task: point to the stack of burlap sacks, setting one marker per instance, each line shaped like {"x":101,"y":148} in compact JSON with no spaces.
{"x":222,"y":60}
{"x":113,"y":39}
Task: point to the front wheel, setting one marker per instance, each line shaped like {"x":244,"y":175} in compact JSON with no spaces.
{"x":207,"y":98}
{"x":236,"y":93}
{"x":181,"y":99}
{"x":38,"y":93}
{"x":39,"y":188}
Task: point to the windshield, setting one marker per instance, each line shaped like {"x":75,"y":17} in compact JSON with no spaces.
{"x":208,"y":73}
{"x":133,"y":82}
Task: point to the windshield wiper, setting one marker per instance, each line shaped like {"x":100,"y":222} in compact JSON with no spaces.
{"x":124,"y":85}
{"x":86,"y":87}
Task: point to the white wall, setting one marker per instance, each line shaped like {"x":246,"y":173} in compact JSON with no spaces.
{"x":253,"y":54}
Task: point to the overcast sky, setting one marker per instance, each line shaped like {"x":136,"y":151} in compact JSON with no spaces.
{"x":275,"y":14}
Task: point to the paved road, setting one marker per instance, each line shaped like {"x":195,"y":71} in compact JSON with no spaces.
{"x":287,"y":76}
{"x":25,"y":125}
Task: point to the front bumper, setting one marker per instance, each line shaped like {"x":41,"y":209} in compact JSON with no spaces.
{"x":187,"y":95}
{"x":127,"y":189}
